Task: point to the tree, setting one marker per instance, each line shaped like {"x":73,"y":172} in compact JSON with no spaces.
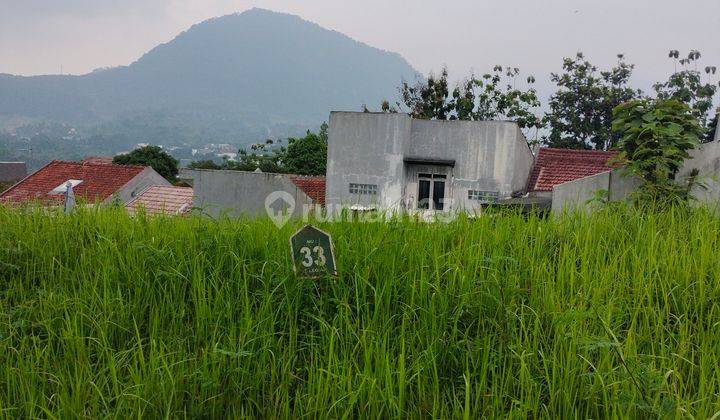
{"x":655,"y":136}
{"x":712,"y":128}
{"x":493,"y":96}
{"x":268,"y":157}
{"x":307,"y":155}
{"x":581,"y":110}
{"x":428,"y":99}
{"x":687,"y":86}
{"x":152,"y":156}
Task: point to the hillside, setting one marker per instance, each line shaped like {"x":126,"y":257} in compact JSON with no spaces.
{"x":244,"y":76}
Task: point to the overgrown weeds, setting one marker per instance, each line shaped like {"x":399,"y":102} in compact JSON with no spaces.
{"x":614,"y":314}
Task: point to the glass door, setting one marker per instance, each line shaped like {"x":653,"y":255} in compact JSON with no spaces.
{"x":431,"y":191}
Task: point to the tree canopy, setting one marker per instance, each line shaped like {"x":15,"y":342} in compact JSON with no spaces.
{"x":303,"y":156}
{"x":654,"y":139}
{"x":688,"y":86}
{"x":152,"y":156}
{"x":580,"y":111}
{"x":492,"y":96}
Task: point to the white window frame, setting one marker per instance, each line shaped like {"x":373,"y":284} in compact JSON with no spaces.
{"x":363,"y":189}
{"x":485,"y":197}
{"x":60,"y":189}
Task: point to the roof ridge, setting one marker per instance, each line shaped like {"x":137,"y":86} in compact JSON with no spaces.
{"x":72,"y":162}
{"x":2,"y":193}
{"x":558,"y":149}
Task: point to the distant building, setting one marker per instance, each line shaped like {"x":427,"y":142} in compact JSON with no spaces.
{"x":240,"y":193}
{"x":162,"y":199}
{"x":98,"y":160}
{"x":11,"y":172}
{"x":395,"y":162}
{"x":92,"y":183}
{"x":579,"y":193}
{"x":556,"y":166}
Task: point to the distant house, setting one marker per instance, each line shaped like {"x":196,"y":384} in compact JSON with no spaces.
{"x":162,"y":199}
{"x":98,"y":160}
{"x":240,"y":193}
{"x":312,"y":186}
{"x":556,"y":166}
{"x":578,"y":193}
{"x":92,"y":183}
{"x":395,"y":162}
{"x":12,"y":172}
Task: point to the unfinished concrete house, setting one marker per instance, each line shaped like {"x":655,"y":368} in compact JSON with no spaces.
{"x":395,"y":162}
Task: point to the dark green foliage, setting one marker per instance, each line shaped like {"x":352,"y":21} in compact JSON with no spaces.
{"x":712,"y":129}
{"x":687,"y":86}
{"x":153,"y":156}
{"x":655,"y":137}
{"x":304,"y":156}
{"x":493,"y":96}
{"x":307,"y":155}
{"x":581,"y":111}
{"x":428,"y":99}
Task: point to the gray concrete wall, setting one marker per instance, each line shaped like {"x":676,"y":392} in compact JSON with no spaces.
{"x":370,"y":148}
{"x":366,"y":148}
{"x":706,"y":159}
{"x":489,"y":155}
{"x":574,"y":195}
{"x":622,"y":185}
{"x":147,"y":178}
{"x":578,"y":194}
{"x":238,"y":193}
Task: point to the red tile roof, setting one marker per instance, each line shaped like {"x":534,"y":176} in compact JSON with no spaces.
{"x":160,"y":199}
{"x":98,"y":182}
{"x":557,"y":166}
{"x":313,"y":186}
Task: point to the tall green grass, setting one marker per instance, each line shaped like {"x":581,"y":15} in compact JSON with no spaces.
{"x":610,"y":315}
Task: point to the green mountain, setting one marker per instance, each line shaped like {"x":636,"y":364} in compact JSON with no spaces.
{"x":237,"y":78}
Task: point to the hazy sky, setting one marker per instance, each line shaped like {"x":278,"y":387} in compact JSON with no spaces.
{"x":40,"y":36}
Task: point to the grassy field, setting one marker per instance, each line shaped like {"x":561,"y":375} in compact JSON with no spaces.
{"x":614,"y":315}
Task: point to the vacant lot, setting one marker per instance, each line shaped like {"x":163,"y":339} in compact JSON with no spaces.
{"x":612,"y":315}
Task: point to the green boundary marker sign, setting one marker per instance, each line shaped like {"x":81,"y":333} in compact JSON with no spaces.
{"x":312,"y":252}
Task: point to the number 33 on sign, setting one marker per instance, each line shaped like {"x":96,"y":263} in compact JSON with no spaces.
{"x":312,"y":252}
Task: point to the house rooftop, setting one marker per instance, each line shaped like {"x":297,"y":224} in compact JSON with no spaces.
{"x":98,"y":160}
{"x":312,"y":186}
{"x":161,"y":199}
{"x":12,"y":171}
{"x":91,"y":182}
{"x":557,"y":166}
